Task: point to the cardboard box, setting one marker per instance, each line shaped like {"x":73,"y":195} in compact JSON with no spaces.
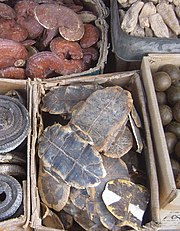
{"x":22,"y":222}
{"x":169,"y":194}
{"x":121,"y":79}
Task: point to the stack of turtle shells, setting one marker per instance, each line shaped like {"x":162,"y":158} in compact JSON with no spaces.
{"x":14,"y":127}
{"x":42,"y":39}
{"x":81,"y":172}
{"x":167,"y":85}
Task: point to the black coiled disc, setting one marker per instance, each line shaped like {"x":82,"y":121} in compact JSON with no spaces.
{"x":11,"y":196}
{"x":14,"y":123}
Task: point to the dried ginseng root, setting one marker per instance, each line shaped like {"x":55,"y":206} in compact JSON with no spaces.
{"x":152,"y":18}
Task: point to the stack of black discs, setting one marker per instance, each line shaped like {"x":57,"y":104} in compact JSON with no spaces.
{"x":14,"y":128}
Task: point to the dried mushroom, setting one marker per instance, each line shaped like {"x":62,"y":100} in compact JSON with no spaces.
{"x":28,"y":23}
{"x":70,"y":28}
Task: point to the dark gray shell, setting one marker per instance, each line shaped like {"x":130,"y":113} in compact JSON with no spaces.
{"x":70,"y":157}
{"x":50,"y":219}
{"x":103,"y":114}
{"x":54,"y":193}
{"x":115,"y":168}
{"x":82,"y":218}
{"x":79,"y":197}
{"x":61,"y":100}
{"x":14,"y":123}
{"x":126,"y":201}
{"x":122,"y":144}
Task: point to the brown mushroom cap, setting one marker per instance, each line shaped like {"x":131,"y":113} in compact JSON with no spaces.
{"x":10,"y":52}
{"x":52,"y":16}
{"x":6,"y":11}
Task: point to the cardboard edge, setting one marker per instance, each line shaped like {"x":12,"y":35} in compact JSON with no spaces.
{"x":168,"y":192}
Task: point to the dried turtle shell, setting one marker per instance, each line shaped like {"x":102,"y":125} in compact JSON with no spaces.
{"x":103,"y":114}
{"x":50,"y":219}
{"x":79,"y":197}
{"x":14,"y":123}
{"x":61,"y":100}
{"x":70,"y":157}
{"x":54,"y":193}
{"x":80,"y":216}
{"x":115,"y":169}
{"x":66,"y":219}
{"x":122,"y":144}
{"x":126,"y":201}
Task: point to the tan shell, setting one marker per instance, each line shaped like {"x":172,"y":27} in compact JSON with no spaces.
{"x":50,"y":219}
{"x":167,"y":13}
{"x":95,"y":207}
{"x":53,"y":193}
{"x":102,"y":123}
{"x":138,"y":31}
{"x":147,"y":10}
{"x":125,"y":200}
{"x":131,"y":17}
{"x":158,"y":26}
{"x":121,"y":145}
{"x":136,"y":117}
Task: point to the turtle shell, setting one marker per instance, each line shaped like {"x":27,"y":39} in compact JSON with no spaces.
{"x":70,"y":157}
{"x":54,"y":193}
{"x":80,"y":216}
{"x":115,"y":168}
{"x":79,"y":197}
{"x":50,"y":219}
{"x":66,"y":219}
{"x":122,"y":144}
{"x":126,"y":201}
{"x":136,"y":117}
{"x":61,"y":100}
{"x":14,"y":123}
{"x":103,"y":114}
